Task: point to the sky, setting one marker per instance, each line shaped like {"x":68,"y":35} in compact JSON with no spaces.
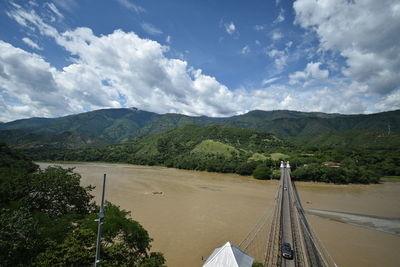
{"x":211,"y":57}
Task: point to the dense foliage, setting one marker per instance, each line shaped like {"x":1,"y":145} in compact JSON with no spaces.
{"x":47,"y":219}
{"x":241,"y":151}
{"x":212,"y":148}
{"x":357,"y":165}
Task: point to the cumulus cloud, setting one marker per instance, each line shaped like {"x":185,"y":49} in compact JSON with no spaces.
{"x":31,"y":43}
{"x":311,"y":72}
{"x":30,"y":82}
{"x":365,"y":33}
{"x":151,"y":29}
{"x":121,"y":69}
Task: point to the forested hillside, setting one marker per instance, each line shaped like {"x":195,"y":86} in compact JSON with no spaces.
{"x":115,"y":125}
{"x":235,"y":144}
{"x":242,"y":151}
{"x":212,"y":148}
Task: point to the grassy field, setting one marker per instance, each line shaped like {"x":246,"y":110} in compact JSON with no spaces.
{"x":277,"y":156}
{"x":215,"y":147}
{"x":257,"y":157}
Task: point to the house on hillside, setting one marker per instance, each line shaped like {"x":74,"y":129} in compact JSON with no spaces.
{"x":331,"y":164}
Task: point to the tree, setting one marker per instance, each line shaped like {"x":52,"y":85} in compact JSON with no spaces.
{"x":77,"y":250}
{"x":57,"y":191}
{"x":262,"y":172}
{"x":246,"y":168}
{"x":124,"y":240}
{"x":18,"y":237}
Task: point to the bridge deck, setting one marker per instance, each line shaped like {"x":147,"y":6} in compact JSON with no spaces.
{"x":290,"y":225}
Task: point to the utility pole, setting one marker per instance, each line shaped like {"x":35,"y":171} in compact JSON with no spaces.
{"x":100,"y":222}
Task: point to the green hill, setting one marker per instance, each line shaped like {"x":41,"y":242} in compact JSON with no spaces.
{"x":116,"y":125}
{"x":213,"y":148}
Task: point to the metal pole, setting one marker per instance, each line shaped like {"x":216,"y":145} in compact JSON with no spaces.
{"x":100,"y":222}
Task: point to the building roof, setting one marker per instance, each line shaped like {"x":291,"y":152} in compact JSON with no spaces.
{"x":228,"y":255}
{"x":331,"y":163}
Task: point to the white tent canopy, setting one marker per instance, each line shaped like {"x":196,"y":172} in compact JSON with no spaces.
{"x":228,"y":256}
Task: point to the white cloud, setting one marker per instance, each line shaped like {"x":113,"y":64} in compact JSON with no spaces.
{"x":281,"y":16}
{"x":55,"y":10}
{"x":269,"y":81}
{"x":32,"y":21}
{"x":245,"y":50}
{"x":311,"y":72}
{"x":151,"y":29}
{"x":389,"y":102}
{"x":365,"y":33}
{"x":123,"y":70}
{"x":131,"y":6}
{"x":259,"y":27}
{"x":14,"y":4}
{"x":280,"y":58}
{"x":168,"y":39}
{"x":31,"y":43}
{"x":230,"y":28}
{"x":277,"y":35}
{"x":68,"y":5}
{"x":30,"y":82}
{"x":32,"y":3}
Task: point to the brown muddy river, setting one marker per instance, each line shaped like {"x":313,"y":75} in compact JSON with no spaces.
{"x":189,"y":214}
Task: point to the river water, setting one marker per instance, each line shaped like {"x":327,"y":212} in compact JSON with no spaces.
{"x":189,"y":213}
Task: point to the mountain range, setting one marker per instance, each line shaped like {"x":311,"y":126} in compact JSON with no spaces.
{"x":108,"y":126}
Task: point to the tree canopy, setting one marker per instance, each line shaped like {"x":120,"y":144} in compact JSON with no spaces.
{"x":47,"y":219}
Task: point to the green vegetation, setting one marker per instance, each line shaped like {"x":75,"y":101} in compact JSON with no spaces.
{"x":236,"y":144}
{"x":391,"y":177}
{"x":212,"y":148}
{"x":116,"y":125}
{"x":262,"y":172}
{"x":279,"y":156}
{"x":258,"y":157}
{"x":215,"y":147}
{"x":47,"y":219}
{"x":342,"y":175}
{"x":367,"y":139}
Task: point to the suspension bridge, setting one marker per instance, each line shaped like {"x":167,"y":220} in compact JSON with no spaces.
{"x":286,"y":224}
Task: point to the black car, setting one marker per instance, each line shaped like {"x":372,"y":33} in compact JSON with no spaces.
{"x":287,"y":251}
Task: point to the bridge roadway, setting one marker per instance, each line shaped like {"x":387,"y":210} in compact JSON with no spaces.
{"x":293,"y":228}
{"x":287,"y":217}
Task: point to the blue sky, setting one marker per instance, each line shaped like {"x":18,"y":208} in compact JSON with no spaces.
{"x":211,"y":57}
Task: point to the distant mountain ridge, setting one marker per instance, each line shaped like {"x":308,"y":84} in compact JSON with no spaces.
{"x":116,"y":125}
